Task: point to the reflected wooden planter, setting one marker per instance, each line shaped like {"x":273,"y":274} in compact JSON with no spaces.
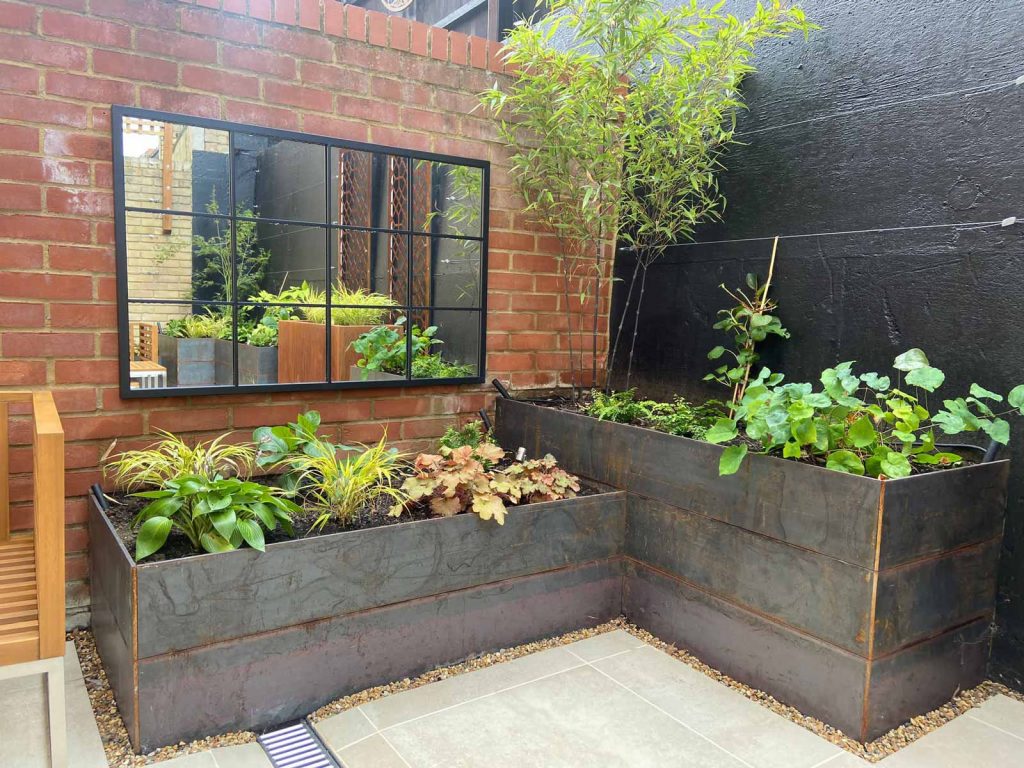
{"x":302,"y":347}
{"x":243,"y":640}
{"x":861,"y":602}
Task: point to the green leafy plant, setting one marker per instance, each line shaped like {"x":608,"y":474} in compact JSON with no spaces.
{"x":435,"y":367}
{"x":340,"y":480}
{"x":679,"y":417}
{"x":541,"y":480}
{"x":472,"y":433}
{"x":457,"y":481}
{"x":383,"y":348}
{"x":212,"y":325}
{"x":364,"y":307}
{"x":281,"y":446}
{"x":216,"y":514}
{"x":618,"y":136}
{"x":861,"y":424}
{"x":749,"y":323}
{"x":213,"y":279}
{"x":172,"y":457}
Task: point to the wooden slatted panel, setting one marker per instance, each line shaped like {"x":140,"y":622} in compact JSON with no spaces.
{"x":5,"y":480}
{"x":19,"y":606}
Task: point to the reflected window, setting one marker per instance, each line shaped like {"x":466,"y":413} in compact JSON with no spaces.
{"x":255,"y":259}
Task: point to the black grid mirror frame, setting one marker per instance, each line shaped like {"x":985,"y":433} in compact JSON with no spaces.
{"x":434,"y":233}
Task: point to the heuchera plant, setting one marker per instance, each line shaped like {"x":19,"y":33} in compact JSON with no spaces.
{"x":542,"y":480}
{"x":861,"y":424}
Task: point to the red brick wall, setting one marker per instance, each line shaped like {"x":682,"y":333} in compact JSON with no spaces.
{"x":307,"y":65}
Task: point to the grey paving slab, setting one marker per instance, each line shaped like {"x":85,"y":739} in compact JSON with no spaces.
{"x":575,"y":717}
{"x":374,"y":752}
{"x":606,"y":644}
{"x":844,"y":760}
{"x":72,"y":669}
{"x":197,"y":760}
{"x":345,"y":728}
{"x":407,"y":705}
{"x":24,"y":741}
{"x":1002,"y":712}
{"x":748,"y":730}
{"x":241,"y":756}
{"x":964,"y":741}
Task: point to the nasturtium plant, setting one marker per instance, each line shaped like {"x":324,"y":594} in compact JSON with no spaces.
{"x":216,"y":514}
{"x":860,"y":423}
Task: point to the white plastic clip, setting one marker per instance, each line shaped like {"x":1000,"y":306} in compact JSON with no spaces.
{"x":1019,"y":80}
{"x":1008,"y":222}
{"x":521,"y":453}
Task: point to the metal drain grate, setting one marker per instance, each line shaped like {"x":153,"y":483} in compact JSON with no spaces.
{"x":296,"y":746}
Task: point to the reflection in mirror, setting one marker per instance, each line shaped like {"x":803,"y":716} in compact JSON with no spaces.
{"x":448,"y":199}
{"x":179,"y":345}
{"x":177,"y":257}
{"x":447,"y":348}
{"x":369,"y":189}
{"x":367,"y":339}
{"x":280,"y":344}
{"x":449,"y":269}
{"x":174,"y":167}
{"x":282,"y":263}
{"x":279,"y":179}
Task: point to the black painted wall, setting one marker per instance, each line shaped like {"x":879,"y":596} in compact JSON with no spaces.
{"x":958,"y":294}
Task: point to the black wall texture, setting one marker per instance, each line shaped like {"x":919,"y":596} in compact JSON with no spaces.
{"x":936,"y":159}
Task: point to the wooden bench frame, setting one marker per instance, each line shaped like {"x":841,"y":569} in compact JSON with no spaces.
{"x":32,"y":563}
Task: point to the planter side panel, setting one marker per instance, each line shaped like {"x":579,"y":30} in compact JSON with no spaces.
{"x":815,"y":677}
{"x":264,"y":680}
{"x":922,"y":599}
{"x":810,"y":507}
{"x":940,"y":511}
{"x":110,"y":584}
{"x":926,"y":676}
{"x":200,"y":600}
{"x":824,"y":597}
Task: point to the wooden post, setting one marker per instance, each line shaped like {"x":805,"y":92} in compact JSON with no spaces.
{"x":5,"y":477}
{"x":48,"y":463}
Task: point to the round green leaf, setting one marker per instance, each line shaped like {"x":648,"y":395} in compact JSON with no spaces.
{"x":732,"y":458}
{"x":805,"y":432}
{"x":926,"y":377}
{"x":152,"y":535}
{"x":862,"y":433}
{"x":716,"y":353}
{"x":978,"y":391}
{"x":845,"y":461}
{"x":1016,"y":398}
{"x":998,"y":430}
{"x":723,"y":431}
{"x":895,"y":465}
{"x":910,"y":360}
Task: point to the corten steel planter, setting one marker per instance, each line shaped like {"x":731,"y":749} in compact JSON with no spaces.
{"x":861,"y":602}
{"x":303,"y":347}
{"x":243,"y":640}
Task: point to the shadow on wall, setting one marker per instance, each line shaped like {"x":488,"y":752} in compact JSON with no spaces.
{"x":833,"y":145}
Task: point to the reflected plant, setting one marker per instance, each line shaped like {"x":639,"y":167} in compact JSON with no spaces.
{"x":212,"y":325}
{"x":369,"y":308}
{"x":213,"y":279}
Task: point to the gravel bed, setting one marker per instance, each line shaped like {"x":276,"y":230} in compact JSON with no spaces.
{"x":120,"y":755}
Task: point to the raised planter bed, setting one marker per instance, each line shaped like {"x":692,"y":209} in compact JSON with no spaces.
{"x":243,"y":640}
{"x":858,"y":601}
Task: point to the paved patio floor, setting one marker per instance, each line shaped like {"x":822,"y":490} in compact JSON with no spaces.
{"x":606,"y":701}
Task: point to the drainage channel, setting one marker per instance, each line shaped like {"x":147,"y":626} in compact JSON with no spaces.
{"x":297,"y":746}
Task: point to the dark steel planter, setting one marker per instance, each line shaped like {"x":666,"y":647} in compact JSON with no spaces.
{"x":858,"y":601}
{"x":243,"y":640}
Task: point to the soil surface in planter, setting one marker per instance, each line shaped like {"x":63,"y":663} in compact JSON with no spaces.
{"x":969,"y":454}
{"x":124,"y":507}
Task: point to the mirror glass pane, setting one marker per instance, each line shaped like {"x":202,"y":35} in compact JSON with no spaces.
{"x":169,"y":166}
{"x":179,"y":345}
{"x":448,"y":199}
{"x":447,"y":271}
{"x":177,"y":257}
{"x":369,"y":189}
{"x":281,"y":263}
{"x":447,"y":346}
{"x":279,"y":179}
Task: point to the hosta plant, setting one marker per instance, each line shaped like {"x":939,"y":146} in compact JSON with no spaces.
{"x":216,"y":514}
{"x":863,"y":424}
{"x":340,"y":480}
{"x":279,"y":447}
{"x":172,"y":457}
{"x":541,"y":480}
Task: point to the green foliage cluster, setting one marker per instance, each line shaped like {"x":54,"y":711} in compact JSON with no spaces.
{"x":472,"y":433}
{"x":619,"y":135}
{"x":749,"y":322}
{"x":457,"y":480}
{"x":680,"y":417}
{"x":278,"y":446}
{"x":383,"y":349}
{"x":861,"y":424}
{"x":212,"y":325}
{"x":349,"y":306}
{"x":213,"y":278}
{"x":201,"y":491}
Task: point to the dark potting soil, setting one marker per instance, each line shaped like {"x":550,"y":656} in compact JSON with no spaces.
{"x":124,"y":507}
